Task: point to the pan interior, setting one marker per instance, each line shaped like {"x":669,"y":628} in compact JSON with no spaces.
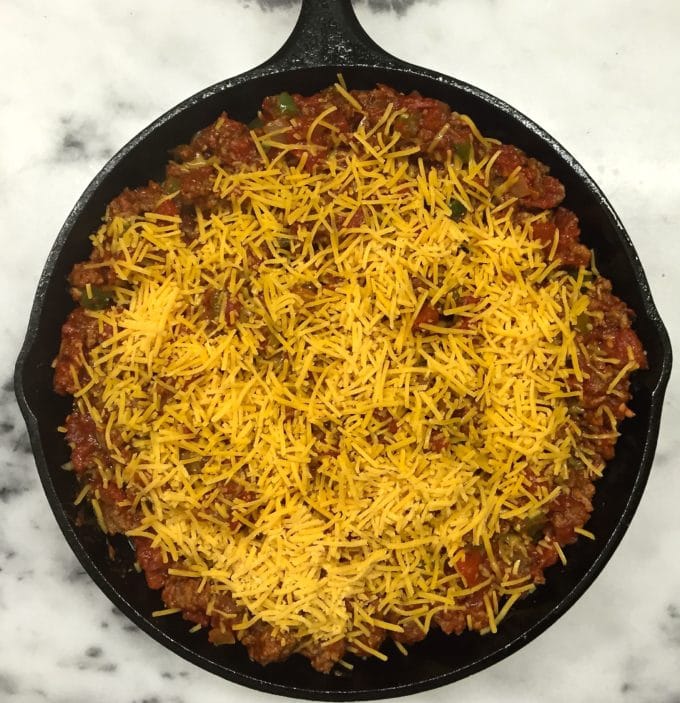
{"x":438,"y":659}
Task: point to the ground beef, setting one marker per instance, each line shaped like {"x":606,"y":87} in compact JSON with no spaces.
{"x":116,"y":510}
{"x":569,"y":250}
{"x":222,"y":618}
{"x":266,"y":645}
{"x":150,"y":559}
{"x":569,"y":511}
{"x":438,"y":134}
{"x":135,"y":201}
{"x":412,"y":633}
{"x":426,"y":123}
{"x":88,"y":272}
{"x":227,"y":140}
{"x":324,"y":658}
{"x":373,"y":639}
{"x":541,"y":557}
{"x":79,"y":334}
{"x":535,"y":188}
{"x":195,"y":183}
{"x":81,"y":434}
{"x":186,"y":594}
{"x":451,"y":621}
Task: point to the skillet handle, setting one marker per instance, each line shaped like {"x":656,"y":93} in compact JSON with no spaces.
{"x":328,"y":33}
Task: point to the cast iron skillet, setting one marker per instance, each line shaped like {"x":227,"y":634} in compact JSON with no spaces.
{"x":326,"y":40}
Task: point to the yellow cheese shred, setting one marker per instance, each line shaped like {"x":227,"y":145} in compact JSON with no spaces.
{"x":280,"y":409}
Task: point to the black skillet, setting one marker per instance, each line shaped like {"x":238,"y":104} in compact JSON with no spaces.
{"x":326,"y":40}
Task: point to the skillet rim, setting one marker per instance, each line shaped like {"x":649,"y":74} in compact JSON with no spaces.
{"x":363,"y":55}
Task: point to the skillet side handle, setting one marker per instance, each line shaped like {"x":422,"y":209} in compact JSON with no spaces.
{"x":328,"y":33}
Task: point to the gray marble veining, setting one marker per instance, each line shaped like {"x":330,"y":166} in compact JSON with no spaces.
{"x":81,"y":79}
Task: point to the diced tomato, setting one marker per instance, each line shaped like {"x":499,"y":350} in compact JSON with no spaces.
{"x":468,"y":566}
{"x":167,"y":207}
{"x":427,"y":316}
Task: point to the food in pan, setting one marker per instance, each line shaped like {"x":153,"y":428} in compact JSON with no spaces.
{"x":346,"y":374}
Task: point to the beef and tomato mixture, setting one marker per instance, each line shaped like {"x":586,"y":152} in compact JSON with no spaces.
{"x":346,"y":374}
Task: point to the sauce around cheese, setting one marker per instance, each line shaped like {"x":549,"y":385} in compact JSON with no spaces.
{"x":344,"y":375}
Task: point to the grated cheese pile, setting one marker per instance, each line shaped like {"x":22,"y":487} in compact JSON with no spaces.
{"x":283,"y":448}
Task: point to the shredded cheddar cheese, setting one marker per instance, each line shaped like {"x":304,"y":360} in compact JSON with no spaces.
{"x":290,"y":429}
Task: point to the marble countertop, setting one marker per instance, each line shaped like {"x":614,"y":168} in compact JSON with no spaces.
{"x":80,"y":79}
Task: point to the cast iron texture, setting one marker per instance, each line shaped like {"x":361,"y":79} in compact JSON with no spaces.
{"x":326,"y":40}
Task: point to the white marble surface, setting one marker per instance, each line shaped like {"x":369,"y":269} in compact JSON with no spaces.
{"x":79,"y":79}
